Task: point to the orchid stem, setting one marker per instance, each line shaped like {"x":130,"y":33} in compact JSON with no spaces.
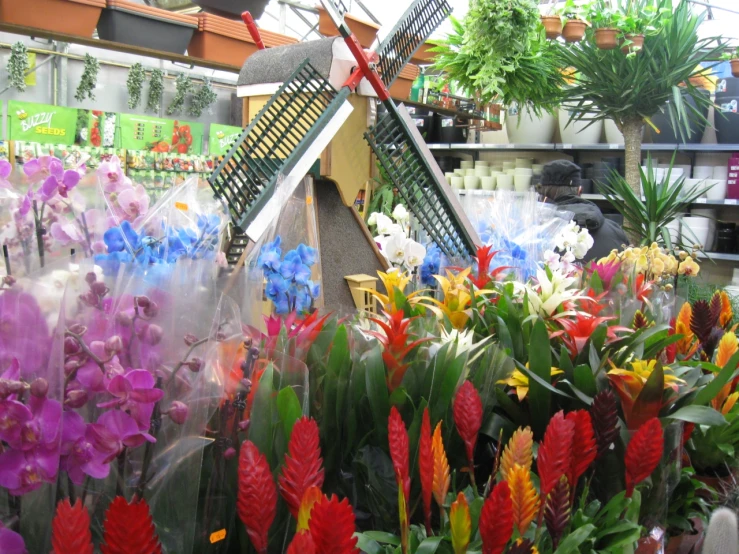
{"x":154,"y":426}
{"x":100,"y":363}
{"x":39,"y":230}
{"x":121,"y":469}
{"x":183,"y":361}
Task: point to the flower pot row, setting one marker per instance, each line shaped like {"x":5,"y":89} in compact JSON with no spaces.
{"x":606,"y":38}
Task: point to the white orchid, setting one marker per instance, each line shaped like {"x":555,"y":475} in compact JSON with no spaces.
{"x":545,"y":298}
{"x":574,"y":239}
{"x":383,"y":223}
{"x":400,"y":214}
{"x":414,"y":254}
{"x":395,"y":248}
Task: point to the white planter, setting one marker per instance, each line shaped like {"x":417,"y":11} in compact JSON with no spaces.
{"x":673,"y":228}
{"x":613,"y":135}
{"x":578,"y":132}
{"x":526,"y":128}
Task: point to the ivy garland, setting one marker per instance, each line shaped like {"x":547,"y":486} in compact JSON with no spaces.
{"x":88,"y":80}
{"x":203,"y":98}
{"x":134,"y":83}
{"x":183,"y":85}
{"x":156,"y":89}
{"x":18,"y":66}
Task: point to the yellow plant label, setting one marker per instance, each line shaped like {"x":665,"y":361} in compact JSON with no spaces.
{"x":217,"y":536}
{"x":183,"y":208}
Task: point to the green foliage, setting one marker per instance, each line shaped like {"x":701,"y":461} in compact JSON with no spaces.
{"x":156,"y":89}
{"x":663,"y":202}
{"x":88,"y":80}
{"x":18,"y":66}
{"x":690,"y":499}
{"x":714,"y":449}
{"x":202,"y":99}
{"x":384,"y":198}
{"x":183,"y":86}
{"x":134,"y":83}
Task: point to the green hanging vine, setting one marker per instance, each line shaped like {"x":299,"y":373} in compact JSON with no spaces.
{"x":134,"y":83}
{"x":18,"y":66}
{"x":203,"y":98}
{"x":88,"y":80}
{"x":183,"y":85}
{"x":156,"y":89}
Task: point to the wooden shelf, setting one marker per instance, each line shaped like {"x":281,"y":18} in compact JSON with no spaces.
{"x":117,"y":47}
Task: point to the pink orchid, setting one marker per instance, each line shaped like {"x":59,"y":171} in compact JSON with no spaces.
{"x":5,"y":170}
{"x":135,"y":393}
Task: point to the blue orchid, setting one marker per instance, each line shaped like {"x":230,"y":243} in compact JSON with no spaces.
{"x":307,"y":254}
{"x":431,"y":265}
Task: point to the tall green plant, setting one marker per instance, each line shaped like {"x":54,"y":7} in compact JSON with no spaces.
{"x":646,"y":220}
{"x":631,"y":89}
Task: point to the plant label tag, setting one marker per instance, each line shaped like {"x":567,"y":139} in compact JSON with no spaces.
{"x":181,"y":206}
{"x":217,"y":536}
{"x":510,"y":146}
{"x":614,"y":146}
{"x":731,"y":201}
{"x":566,"y":147}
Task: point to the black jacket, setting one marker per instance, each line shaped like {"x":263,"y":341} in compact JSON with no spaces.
{"x":606,"y":234}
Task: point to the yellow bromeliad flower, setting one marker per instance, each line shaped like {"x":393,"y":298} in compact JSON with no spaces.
{"x":457,"y":298}
{"x":727,"y":313}
{"x":642,"y":369}
{"x":520,"y":381}
{"x":460,"y":524}
{"x":727,"y":347}
{"x":393,"y":279}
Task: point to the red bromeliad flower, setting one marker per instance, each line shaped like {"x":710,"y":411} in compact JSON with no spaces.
{"x":643,"y":454}
{"x":302,"y":544}
{"x":496,"y":520}
{"x":606,"y":272}
{"x":555,"y":452}
{"x":642,"y":288}
{"x":584,"y":446}
{"x":484,"y":276}
{"x":467,"y":412}
{"x":256,"y":501}
{"x":395,"y":346}
{"x":426,"y":468}
{"x":303,"y":464}
{"x":129,"y":529}
{"x":304,"y":331}
{"x":332,"y":527}
{"x":398,"y":439}
{"x":577,"y":331}
{"x":70,"y":529}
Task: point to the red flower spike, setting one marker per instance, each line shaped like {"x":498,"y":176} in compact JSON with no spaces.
{"x":303,"y":464}
{"x":70,"y":529}
{"x":426,"y":468}
{"x":129,"y":529}
{"x":467,"y":412}
{"x":256,"y":502}
{"x":640,"y":321}
{"x":604,"y":416}
{"x":398,"y":438}
{"x":643,"y":454}
{"x":584,"y":447}
{"x":704,"y":319}
{"x":484,"y":277}
{"x":557,"y":511}
{"x":302,"y":544}
{"x":496,"y":520}
{"x":555,"y":452}
{"x":688,"y":429}
{"x":332,"y":527}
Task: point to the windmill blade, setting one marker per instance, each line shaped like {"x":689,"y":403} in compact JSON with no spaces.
{"x":408,"y":162}
{"x":416,"y":25}
{"x":284,"y":139}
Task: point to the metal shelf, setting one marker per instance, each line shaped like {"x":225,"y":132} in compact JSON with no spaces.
{"x":719,"y":257}
{"x":730,"y":202}
{"x":481,"y":147}
{"x":555,"y":147}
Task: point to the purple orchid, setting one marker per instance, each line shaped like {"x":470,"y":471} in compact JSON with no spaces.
{"x":66,"y":233}
{"x":24,"y":206}
{"x":25,"y":471}
{"x":111,"y":174}
{"x":90,"y":376}
{"x":11,"y":542}
{"x":59,"y":181}
{"x":116,"y":429}
{"x":5,"y":170}
{"x":24,"y":333}
{"x":25,"y":429}
{"x":80,"y":455}
{"x":135,"y":393}
{"x":38,"y":169}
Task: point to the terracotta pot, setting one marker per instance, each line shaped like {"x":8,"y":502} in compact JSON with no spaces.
{"x":401,"y":88}
{"x":636,"y":43}
{"x":648,"y":545}
{"x":424,"y":55}
{"x":73,"y":17}
{"x":606,"y":38}
{"x":735,"y":67}
{"x":574,"y":30}
{"x":552,"y":26}
{"x":720,"y":484}
{"x":365,"y":31}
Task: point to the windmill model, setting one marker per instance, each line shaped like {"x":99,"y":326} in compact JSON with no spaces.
{"x":299,"y":120}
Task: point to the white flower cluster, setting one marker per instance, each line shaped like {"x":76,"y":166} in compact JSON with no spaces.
{"x":575,"y":240}
{"x":392,"y":238}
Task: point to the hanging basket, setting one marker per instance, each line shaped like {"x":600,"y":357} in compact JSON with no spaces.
{"x":606,"y":38}
{"x":735,"y":67}
{"x":574,"y":30}
{"x":552,"y":26}
{"x":632,"y":43}
{"x":72,"y":17}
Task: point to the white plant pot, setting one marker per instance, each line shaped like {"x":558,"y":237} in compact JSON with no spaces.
{"x":526,"y":128}
{"x":673,"y":228}
{"x":613,"y":135}
{"x":718,"y":190}
{"x":578,"y":132}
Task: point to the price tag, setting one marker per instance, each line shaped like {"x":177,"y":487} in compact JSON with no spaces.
{"x":731,"y":201}
{"x":566,"y":147}
{"x":181,"y":206}
{"x":217,"y":536}
{"x":614,"y":146}
{"x":701,"y":201}
{"x":510,"y":145}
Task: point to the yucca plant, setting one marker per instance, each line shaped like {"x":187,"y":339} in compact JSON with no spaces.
{"x":631,"y":89}
{"x":646,"y":220}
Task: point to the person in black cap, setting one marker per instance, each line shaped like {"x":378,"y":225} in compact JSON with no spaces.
{"x":560,"y":185}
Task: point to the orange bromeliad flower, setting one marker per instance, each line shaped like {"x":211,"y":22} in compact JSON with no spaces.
{"x":525,"y":500}
{"x":518,"y":451}
{"x":727,"y":313}
{"x":395,"y":346}
{"x":442,"y":480}
{"x":727,"y":347}
{"x":460,"y":524}
{"x":682,"y":327}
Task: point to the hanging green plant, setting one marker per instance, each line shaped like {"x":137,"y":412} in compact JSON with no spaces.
{"x":134,"y":83}
{"x":18,"y":66}
{"x":203,"y":99}
{"x":183,"y":85}
{"x":156,"y":89}
{"x":88,"y":80}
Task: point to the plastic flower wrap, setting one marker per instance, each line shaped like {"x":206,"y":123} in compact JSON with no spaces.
{"x":516,"y":225}
{"x":393,"y":241}
{"x":138,"y":392}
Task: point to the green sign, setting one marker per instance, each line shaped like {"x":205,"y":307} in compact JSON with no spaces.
{"x":222,"y":138}
{"x":41,"y":123}
{"x":142,"y":132}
